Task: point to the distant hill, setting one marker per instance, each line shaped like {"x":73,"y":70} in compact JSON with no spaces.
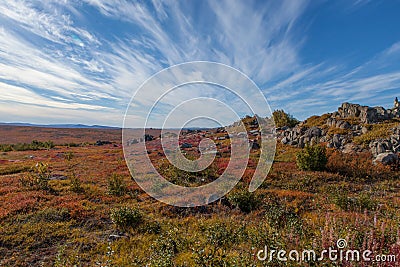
{"x":68,"y":126}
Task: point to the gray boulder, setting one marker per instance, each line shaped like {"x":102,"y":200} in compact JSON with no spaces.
{"x":387,"y":158}
{"x":314,"y":132}
{"x":380,"y":146}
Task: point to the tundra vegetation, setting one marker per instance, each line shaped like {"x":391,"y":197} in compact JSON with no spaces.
{"x":79,"y":206}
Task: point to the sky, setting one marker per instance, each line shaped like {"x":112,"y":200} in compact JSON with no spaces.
{"x":81,"y":61}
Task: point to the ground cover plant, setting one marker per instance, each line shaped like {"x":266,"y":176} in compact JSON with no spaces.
{"x":79,"y":206}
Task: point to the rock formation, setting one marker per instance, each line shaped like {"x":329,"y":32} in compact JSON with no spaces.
{"x":366,"y":114}
{"x":340,"y":128}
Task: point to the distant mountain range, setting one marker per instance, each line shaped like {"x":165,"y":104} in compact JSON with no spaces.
{"x":77,"y":126}
{"x":83,"y":126}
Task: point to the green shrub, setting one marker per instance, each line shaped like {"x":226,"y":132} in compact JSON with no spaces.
{"x":164,"y":249}
{"x":312,"y":158}
{"x":219,"y":234}
{"x":150,"y":227}
{"x":69,"y":155}
{"x":280,"y":216}
{"x":34,"y":145}
{"x":126,"y":217}
{"x":211,"y":256}
{"x":282,"y":118}
{"x":244,"y":200}
{"x":38,"y":178}
{"x":359,"y":203}
{"x":51,"y":215}
{"x":75,"y":184}
{"x":5,"y":148}
{"x":116,"y":185}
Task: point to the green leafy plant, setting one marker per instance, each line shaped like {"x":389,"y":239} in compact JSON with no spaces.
{"x":312,"y":158}
{"x":126,"y":217}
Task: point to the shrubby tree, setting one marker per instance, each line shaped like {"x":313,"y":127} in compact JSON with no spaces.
{"x":282,"y":118}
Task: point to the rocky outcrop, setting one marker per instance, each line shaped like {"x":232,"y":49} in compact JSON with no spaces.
{"x":333,"y":122}
{"x":301,"y":136}
{"x":383,"y":145}
{"x":338,"y":141}
{"x":367,"y":114}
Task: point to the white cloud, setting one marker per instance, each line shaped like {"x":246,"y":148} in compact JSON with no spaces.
{"x":28,"y":65}
{"x":53,"y":25}
{"x":25,"y":96}
{"x":238,"y":33}
{"x":47,"y":54}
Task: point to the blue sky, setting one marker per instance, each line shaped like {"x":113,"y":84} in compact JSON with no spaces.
{"x":70,"y":61}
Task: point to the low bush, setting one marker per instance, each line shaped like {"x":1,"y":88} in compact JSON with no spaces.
{"x":312,"y":158}
{"x":38,"y":178}
{"x":279,"y":216}
{"x":126,"y":217}
{"x":51,"y":215}
{"x":186,"y":178}
{"x":69,"y":155}
{"x":116,"y":185}
{"x":34,"y":145}
{"x":244,"y":200}
{"x":6,"y":147}
{"x":75,"y":184}
{"x":219,"y":234}
{"x":359,"y":203}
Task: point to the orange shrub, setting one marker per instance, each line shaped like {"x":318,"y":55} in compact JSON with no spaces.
{"x":358,"y":166}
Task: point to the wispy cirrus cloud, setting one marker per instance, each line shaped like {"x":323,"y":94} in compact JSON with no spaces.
{"x":375,"y":82}
{"x":90,"y":56}
{"x":45,"y":19}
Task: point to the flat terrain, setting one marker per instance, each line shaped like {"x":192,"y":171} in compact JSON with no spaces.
{"x":80,"y":207}
{"x":22,"y":134}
